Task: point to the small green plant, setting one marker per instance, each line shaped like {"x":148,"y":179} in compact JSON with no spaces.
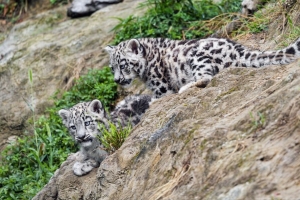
{"x":28,"y":164}
{"x":259,"y":121}
{"x":113,"y":138}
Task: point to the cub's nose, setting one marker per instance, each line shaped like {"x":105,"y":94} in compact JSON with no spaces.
{"x":117,"y":80}
{"x":81,"y":137}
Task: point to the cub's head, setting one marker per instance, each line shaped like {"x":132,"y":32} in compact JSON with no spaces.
{"x":127,"y":59}
{"x":82,"y":121}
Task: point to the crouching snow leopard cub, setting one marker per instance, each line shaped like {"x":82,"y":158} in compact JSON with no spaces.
{"x":167,"y":66}
{"x":82,"y":123}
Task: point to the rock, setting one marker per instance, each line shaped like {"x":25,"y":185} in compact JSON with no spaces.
{"x":57,"y":50}
{"x":82,"y":8}
{"x":238,"y":138}
{"x":75,"y":188}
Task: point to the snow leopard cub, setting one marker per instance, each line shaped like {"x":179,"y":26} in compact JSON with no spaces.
{"x":82,"y":122}
{"x":167,"y":66}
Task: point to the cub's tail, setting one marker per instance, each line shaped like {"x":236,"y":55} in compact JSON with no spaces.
{"x":281,"y":57}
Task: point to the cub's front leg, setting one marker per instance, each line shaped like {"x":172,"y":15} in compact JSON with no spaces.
{"x":84,"y":165}
{"x":82,"y":168}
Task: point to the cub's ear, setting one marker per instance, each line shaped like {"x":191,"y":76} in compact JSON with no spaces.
{"x":64,"y":114}
{"x":109,"y":49}
{"x":97,"y":108}
{"x":133,"y":46}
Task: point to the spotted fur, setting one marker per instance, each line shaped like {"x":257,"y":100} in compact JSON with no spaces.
{"x":82,"y":122}
{"x":167,"y":66}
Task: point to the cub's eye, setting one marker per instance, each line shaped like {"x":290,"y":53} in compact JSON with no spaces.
{"x":87,"y":123}
{"x":73,"y":127}
{"x":122,"y":66}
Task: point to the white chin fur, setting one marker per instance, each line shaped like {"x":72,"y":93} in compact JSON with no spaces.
{"x":86,"y":143}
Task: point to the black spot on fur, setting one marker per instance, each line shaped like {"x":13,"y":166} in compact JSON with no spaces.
{"x":207,"y":61}
{"x":219,"y":50}
{"x":182,"y":67}
{"x":136,"y":120}
{"x":158,"y":57}
{"x":204,"y":57}
{"x":193,"y":53}
{"x":173,"y":46}
{"x":290,"y":50}
{"x":231,"y":42}
{"x":241,"y":53}
{"x":262,"y":56}
{"x":247,"y":55}
{"x":185,"y":52}
{"x":192,"y":42}
{"x":253,"y":56}
{"x":161,"y":64}
{"x":158,"y":93}
{"x":216,"y":69}
{"x":232,"y":56}
{"x":140,"y":106}
{"x":181,"y":42}
{"x":298,"y":45}
{"x":218,"y":60}
{"x":208,"y":46}
{"x":208,"y":73}
{"x":128,"y":113}
{"x":226,"y":65}
{"x":221,"y":43}
{"x":163,"y":90}
{"x":183,"y":81}
{"x":200,"y":54}
{"x":175,"y":58}
{"x":157,"y":72}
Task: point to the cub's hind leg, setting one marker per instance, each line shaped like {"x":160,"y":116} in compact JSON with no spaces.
{"x":202,"y":72}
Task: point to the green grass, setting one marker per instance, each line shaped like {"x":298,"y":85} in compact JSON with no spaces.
{"x":28,"y":164}
{"x":180,"y":19}
{"x":113,"y":138}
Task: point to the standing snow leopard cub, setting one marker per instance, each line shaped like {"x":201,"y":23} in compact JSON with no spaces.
{"x":82,"y":122}
{"x":171,"y":66}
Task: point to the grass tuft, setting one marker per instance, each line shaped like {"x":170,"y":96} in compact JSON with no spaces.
{"x":113,"y":137}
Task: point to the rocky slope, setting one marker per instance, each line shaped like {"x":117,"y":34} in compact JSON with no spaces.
{"x":239,"y":138}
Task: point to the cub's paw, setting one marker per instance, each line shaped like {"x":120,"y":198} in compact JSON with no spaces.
{"x":185,"y":87}
{"x":81,"y":169}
